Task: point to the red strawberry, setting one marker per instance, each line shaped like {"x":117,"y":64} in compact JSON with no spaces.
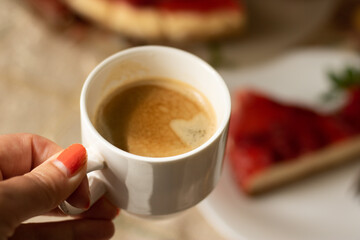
{"x":306,"y":131}
{"x":282,"y":142}
{"x":254,"y":114}
{"x":335,"y":128}
{"x":247,"y":160}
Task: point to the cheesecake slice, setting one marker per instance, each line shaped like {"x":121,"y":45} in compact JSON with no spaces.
{"x":172,"y":20}
{"x":272,"y":143}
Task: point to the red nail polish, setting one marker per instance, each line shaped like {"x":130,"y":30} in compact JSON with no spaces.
{"x":73,"y":157}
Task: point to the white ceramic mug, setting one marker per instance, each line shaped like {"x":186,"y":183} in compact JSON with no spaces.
{"x":145,"y":185}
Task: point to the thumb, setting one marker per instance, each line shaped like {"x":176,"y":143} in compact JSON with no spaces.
{"x":43,"y":188}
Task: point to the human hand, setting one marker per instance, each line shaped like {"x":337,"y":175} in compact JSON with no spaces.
{"x":35,"y":177}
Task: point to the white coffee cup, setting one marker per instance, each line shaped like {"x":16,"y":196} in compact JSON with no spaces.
{"x":144,"y":185}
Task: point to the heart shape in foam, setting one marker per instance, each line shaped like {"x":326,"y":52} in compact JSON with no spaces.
{"x":193,"y":132}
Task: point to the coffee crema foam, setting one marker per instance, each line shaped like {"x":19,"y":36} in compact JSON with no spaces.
{"x":156,"y":118}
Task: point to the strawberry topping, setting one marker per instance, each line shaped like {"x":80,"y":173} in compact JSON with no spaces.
{"x":264,"y":132}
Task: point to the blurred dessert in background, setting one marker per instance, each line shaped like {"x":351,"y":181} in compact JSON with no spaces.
{"x":153,"y":20}
{"x":173,"y":20}
{"x":273,"y":143}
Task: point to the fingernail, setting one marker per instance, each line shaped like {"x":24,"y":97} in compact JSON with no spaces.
{"x":73,"y":158}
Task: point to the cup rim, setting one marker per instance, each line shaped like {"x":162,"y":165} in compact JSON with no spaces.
{"x":221,"y":126}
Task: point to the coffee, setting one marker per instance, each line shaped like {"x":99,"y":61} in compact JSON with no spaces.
{"x":155,"y":118}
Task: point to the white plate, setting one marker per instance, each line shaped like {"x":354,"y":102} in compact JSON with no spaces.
{"x":322,"y":207}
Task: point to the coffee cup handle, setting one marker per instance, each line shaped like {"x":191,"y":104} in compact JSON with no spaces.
{"x":96,"y":186}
